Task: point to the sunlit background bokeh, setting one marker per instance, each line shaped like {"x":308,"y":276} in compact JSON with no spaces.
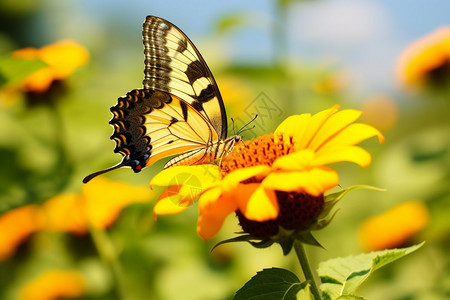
{"x":274,"y":58}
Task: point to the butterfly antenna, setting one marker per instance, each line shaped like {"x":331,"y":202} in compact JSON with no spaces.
{"x":243,"y":127}
{"x":234,"y":131}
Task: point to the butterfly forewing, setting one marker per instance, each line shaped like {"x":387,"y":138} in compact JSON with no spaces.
{"x":174,"y":65}
{"x":179,"y":110}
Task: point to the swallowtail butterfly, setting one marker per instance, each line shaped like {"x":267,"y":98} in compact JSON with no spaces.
{"x":178,"y":111}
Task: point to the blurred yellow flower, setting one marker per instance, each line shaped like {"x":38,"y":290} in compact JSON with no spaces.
{"x":54,"y":284}
{"x":62,"y":58}
{"x":65,"y":213}
{"x":380,"y":111}
{"x":426,"y":61}
{"x":16,"y":225}
{"x":330,"y":84}
{"x":233,"y":91}
{"x":393,"y":228}
{"x":277,"y":179}
{"x":104,"y":200}
{"x":98,"y":205}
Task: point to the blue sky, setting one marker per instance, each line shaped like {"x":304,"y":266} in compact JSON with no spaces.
{"x":365,"y":35}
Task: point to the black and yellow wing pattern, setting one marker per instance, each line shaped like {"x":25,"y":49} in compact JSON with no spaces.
{"x":178,"y":111}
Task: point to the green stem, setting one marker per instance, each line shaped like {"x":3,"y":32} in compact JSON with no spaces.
{"x":108,"y":254}
{"x":301,"y":254}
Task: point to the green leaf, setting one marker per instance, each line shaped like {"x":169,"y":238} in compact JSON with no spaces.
{"x":307,"y":238}
{"x":342,"y":276}
{"x":332,"y":199}
{"x":257,"y":72}
{"x":350,"y":297}
{"x":14,"y":70}
{"x":254,"y":241}
{"x":272,"y":284}
{"x":305,"y":293}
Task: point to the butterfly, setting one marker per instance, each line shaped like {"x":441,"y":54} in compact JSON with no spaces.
{"x":179,"y":110}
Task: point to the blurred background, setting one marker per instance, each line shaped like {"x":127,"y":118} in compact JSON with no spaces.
{"x":63,"y":64}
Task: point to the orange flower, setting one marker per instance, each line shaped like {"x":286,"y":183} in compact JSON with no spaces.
{"x":54,"y":284}
{"x":16,"y":225}
{"x":99,"y":205}
{"x":277,"y":179}
{"x":427,"y":60}
{"x":62,"y":58}
{"x":380,"y":111}
{"x":393,"y":228}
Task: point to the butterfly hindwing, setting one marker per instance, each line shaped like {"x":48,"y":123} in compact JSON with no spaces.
{"x":175,"y":66}
{"x":150,"y":124}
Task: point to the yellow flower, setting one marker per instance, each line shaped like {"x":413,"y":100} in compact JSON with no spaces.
{"x":98,"y":205}
{"x":62,"y":58}
{"x":16,"y":225}
{"x":277,"y":179}
{"x":65,"y":213}
{"x":393,"y":228}
{"x":54,"y":284}
{"x":105,"y":199}
{"x":427,"y":60}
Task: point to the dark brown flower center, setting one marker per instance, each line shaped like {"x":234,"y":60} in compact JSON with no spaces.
{"x":297,"y":211}
{"x":440,"y":74}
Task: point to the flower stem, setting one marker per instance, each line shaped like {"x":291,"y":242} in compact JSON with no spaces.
{"x":108,"y":254}
{"x":301,"y":254}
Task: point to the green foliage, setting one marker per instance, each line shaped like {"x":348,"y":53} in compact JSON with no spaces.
{"x":13,"y":70}
{"x":342,"y":276}
{"x":230,"y":22}
{"x":331,"y":200}
{"x":272,"y":284}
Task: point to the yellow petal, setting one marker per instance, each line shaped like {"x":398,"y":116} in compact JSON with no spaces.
{"x":214,"y":209}
{"x":168,"y":205}
{"x":105,"y":199}
{"x":316,"y":122}
{"x":64,"y":57}
{"x":353,"y":154}
{"x":352,"y":135}
{"x":209,"y":198}
{"x":292,"y":126}
{"x":188,"y":193}
{"x":314,"y":182}
{"x":232,"y":180}
{"x":262,"y":204}
{"x":54,"y":284}
{"x":66,"y":213}
{"x":16,"y":225}
{"x":202,"y":175}
{"x":335,"y":123}
{"x":297,"y":161}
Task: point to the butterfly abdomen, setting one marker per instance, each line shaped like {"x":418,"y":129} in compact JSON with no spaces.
{"x":213,"y":153}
